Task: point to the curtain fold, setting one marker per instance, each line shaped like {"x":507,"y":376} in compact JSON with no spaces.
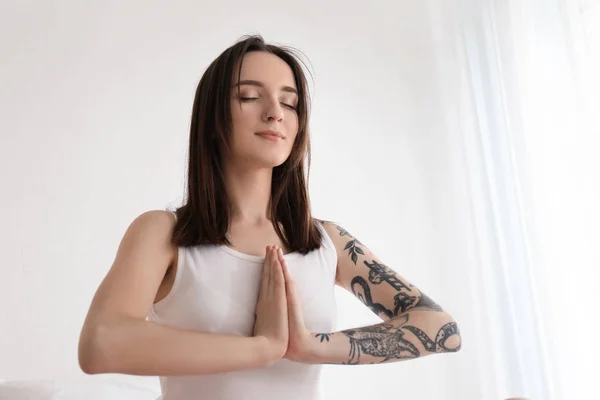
{"x":515,"y":83}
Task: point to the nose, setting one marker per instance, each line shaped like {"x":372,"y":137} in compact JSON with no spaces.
{"x":273,"y":110}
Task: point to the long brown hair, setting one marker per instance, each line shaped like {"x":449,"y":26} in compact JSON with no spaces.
{"x":205,"y":216}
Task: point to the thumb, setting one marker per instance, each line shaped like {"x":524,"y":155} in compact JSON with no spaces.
{"x":294,"y":307}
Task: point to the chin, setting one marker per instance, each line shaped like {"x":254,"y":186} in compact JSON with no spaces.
{"x":263,"y":162}
{"x":263,"y":159}
{"x":273,"y":164}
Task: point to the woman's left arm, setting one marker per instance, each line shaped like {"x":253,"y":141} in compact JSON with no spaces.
{"x":414,"y":325}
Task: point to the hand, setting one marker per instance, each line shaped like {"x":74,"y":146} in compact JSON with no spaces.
{"x":299,"y":337}
{"x":271,"y":308}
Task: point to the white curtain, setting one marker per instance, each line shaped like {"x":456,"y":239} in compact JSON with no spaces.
{"x":519,"y":80}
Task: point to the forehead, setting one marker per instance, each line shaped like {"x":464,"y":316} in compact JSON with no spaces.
{"x":267,"y":68}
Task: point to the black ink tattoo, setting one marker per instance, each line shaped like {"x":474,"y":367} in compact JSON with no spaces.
{"x":384,"y":340}
{"x":382,"y":273}
{"x":323,"y":336}
{"x":440,"y":344}
{"x":343,"y":232}
{"x":425,"y":303}
{"x":403,"y":301}
{"x":365,"y":296}
{"x":353,"y":250}
{"x":378,"y":273}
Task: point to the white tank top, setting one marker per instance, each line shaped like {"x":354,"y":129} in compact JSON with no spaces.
{"x":215,"y":290}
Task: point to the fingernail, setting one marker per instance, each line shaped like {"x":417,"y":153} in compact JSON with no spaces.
{"x":280,"y":252}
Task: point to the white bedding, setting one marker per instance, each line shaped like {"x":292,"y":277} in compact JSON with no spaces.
{"x":88,"y":387}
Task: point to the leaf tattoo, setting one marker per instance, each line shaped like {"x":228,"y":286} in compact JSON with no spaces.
{"x":353,"y":250}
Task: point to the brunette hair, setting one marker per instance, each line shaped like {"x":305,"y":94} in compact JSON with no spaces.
{"x":205,"y":215}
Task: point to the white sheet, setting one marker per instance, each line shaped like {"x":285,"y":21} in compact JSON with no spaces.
{"x":93,"y":387}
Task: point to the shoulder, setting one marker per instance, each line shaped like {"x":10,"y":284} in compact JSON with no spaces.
{"x":158,"y":221}
{"x":154,"y":228}
{"x":335,"y":233}
{"x":329,"y":226}
{"x":343,"y":240}
{"x":332,"y":228}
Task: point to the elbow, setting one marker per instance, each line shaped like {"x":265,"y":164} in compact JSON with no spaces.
{"x":449,"y":336}
{"x":89,"y":366}
{"x":92,"y":353}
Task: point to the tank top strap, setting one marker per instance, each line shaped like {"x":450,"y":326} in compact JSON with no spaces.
{"x":327,"y":241}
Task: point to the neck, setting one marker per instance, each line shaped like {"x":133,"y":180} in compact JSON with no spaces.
{"x":249,"y":193}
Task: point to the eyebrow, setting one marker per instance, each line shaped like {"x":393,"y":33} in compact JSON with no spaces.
{"x":260,"y":84}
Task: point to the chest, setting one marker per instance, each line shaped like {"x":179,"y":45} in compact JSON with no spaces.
{"x":253,"y":240}
{"x":218,"y":292}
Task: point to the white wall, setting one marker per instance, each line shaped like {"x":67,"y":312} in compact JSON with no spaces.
{"x":96,"y":100}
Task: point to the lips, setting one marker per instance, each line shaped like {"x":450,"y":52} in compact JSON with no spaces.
{"x":271,"y":133}
{"x":270,"y":137}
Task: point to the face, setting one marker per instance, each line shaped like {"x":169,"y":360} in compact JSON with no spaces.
{"x":270,"y":95}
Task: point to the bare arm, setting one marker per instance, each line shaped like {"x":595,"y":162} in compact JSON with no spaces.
{"x":116,"y":338}
{"x":146,"y":348}
{"x":414,"y":325}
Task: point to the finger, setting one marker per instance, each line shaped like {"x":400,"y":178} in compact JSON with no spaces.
{"x":276,"y":268}
{"x":275,"y":257}
{"x":290,"y":287}
{"x":264,"y":278}
{"x":282,"y":261}
{"x":283,"y":264}
{"x":279,"y":279}
{"x":289,"y":281}
{"x":296,"y":319}
{"x":280,"y":256}
{"x":287,"y":278}
{"x":265,"y":271}
{"x":273,"y":267}
{"x":269,"y":269}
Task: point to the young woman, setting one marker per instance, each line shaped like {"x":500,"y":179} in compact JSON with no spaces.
{"x":232,"y":295}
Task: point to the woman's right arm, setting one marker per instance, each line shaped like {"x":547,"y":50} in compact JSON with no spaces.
{"x":116,"y":338}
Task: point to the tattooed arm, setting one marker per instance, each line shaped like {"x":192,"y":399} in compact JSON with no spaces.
{"x":414,"y":325}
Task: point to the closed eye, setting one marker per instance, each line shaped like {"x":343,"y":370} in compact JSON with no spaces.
{"x":245,"y":99}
